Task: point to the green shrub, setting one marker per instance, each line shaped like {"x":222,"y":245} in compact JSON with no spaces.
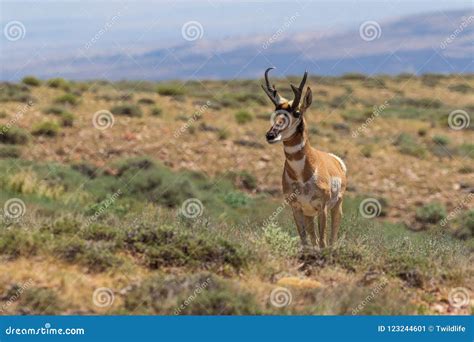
{"x":372,"y":82}
{"x":155,"y":183}
{"x":96,"y":256}
{"x":408,"y":145}
{"x":134,"y":165}
{"x":64,"y":226}
{"x":239,"y":99}
{"x":422,"y":132}
{"x":170,"y":90}
{"x":279,"y":242}
{"x":67,"y":99}
{"x":466,"y":150}
{"x":87,"y":170}
{"x":431,"y":80}
{"x":146,"y":101}
{"x":442,"y":151}
{"x":247,"y":180}
{"x":127,"y":110}
{"x":46,"y":128}
{"x":339,"y":101}
{"x":441,"y":140}
{"x":404,"y":76}
{"x":55,"y":110}
{"x":353,"y":76}
{"x":166,"y":246}
{"x":367,"y":151}
{"x":223,"y":299}
{"x":40,"y":301}
{"x":465,"y":225}
{"x":58,"y":83}
{"x":99,"y":257}
{"x":96,"y":232}
{"x":425,"y":103}
{"x":357,"y":115}
{"x":15,"y":93}
{"x":69,"y":249}
{"x":9,"y":152}
{"x":431,"y":213}
{"x":67,"y":119}
{"x":197,"y":294}
{"x":19,"y":242}
{"x":461,"y":88}
{"x":31,"y":81}
{"x":222,"y":134}
{"x":156,"y":111}
{"x":236,"y":199}
{"x":466,"y":169}
{"x":13,"y":135}
{"x":242,"y":117}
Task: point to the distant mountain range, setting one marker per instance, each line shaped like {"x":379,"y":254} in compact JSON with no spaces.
{"x":427,"y":43}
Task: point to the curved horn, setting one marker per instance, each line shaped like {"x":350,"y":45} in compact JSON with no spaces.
{"x":269,"y":89}
{"x":266,"y":77}
{"x":298,"y":91}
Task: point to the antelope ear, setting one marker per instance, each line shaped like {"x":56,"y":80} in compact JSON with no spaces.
{"x":308,"y":98}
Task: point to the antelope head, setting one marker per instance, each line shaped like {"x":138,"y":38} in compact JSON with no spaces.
{"x":287,"y":115}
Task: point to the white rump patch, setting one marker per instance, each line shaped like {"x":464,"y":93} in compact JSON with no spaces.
{"x":344,"y":168}
{"x":336,"y":184}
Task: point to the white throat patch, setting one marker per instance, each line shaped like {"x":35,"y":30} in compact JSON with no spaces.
{"x":296,"y":148}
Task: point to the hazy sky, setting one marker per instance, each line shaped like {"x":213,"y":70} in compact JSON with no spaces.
{"x":60,"y":28}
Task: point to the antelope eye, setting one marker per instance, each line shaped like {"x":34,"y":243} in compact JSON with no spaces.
{"x":297,"y":114}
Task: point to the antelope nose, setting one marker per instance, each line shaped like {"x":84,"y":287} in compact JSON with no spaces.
{"x":270,"y":135}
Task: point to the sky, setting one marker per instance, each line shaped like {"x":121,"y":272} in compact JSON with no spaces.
{"x":59,"y":28}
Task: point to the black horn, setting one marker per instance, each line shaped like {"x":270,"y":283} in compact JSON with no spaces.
{"x":269,"y":89}
{"x":298,"y":91}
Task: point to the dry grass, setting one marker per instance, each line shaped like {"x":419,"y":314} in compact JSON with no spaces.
{"x":189,"y":135}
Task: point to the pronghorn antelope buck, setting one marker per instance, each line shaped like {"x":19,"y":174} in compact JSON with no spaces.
{"x":314,"y":182}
